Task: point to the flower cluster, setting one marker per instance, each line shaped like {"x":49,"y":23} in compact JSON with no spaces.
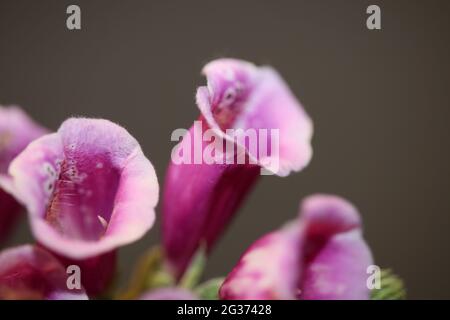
{"x":88,"y":189}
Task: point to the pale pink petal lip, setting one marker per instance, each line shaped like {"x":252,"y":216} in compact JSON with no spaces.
{"x":88,"y":188}
{"x":268,"y":103}
{"x":321,"y":255}
{"x":328,"y":214}
{"x":29,"y":272}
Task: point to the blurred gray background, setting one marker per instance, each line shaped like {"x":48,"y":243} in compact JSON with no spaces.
{"x":379,"y":101}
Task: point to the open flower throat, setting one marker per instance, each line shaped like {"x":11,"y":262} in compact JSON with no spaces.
{"x":88,"y":188}
{"x":82,"y":194}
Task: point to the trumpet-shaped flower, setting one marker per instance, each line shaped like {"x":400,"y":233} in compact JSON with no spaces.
{"x":169,"y":294}
{"x":250,"y":121}
{"x":88,"y":189}
{"x":322,"y":255}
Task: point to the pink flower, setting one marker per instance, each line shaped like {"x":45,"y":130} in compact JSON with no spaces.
{"x":29,"y":272}
{"x":17,"y":130}
{"x":201,"y":197}
{"x":88,"y":189}
{"x":322,"y":255}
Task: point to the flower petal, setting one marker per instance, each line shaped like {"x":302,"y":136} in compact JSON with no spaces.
{"x":240,"y":95}
{"x":320,"y":256}
{"x":336,"y":256}
{"x":200,"y":198}
{"x":94,"y":282}
{"x":199,"y":201}
{"x":268,"y":270}
{"x":9,"y":214}
{"x":29,"y":272}
{"x":17,"y":130}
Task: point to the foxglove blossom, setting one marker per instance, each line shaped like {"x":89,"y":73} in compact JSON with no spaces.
{"x":29,"y":273}
{"x":322,"y":255}
{"x":17,"y":130}
{"x":88,"y":189}
{"x":201,"y":196}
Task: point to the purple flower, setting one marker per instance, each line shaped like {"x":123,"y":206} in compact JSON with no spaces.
{"x":201,"y":196}
{"x":17,"y":130}
{"x":88,"y":189}
{"x":322,"y":255}
{"x":29,"y":273}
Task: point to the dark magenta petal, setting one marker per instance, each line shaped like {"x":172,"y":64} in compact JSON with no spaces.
{"x":320,"y":256}
{"x":198,"y":202}
{"x":88,"y":189}
{"x":9,"y":214}
{"x":17,"y":130}
{"x":200,"y":198}
{"x":29,"y":272}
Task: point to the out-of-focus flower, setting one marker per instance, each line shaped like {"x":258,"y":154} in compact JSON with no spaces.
{"x":29,"y":272}
{"x":169,"y":294}
{"x":17,"y":130}
{"x":322,"y":255}
{"x":96,"y":272}
{"x":202,"y":196}
{"x":88,"y":189}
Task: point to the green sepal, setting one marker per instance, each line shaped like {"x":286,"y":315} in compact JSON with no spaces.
{"x":391,"y":288}
{"x":209,"y":290}
{"x":194,"y":272}
{"x":149,"y":273}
